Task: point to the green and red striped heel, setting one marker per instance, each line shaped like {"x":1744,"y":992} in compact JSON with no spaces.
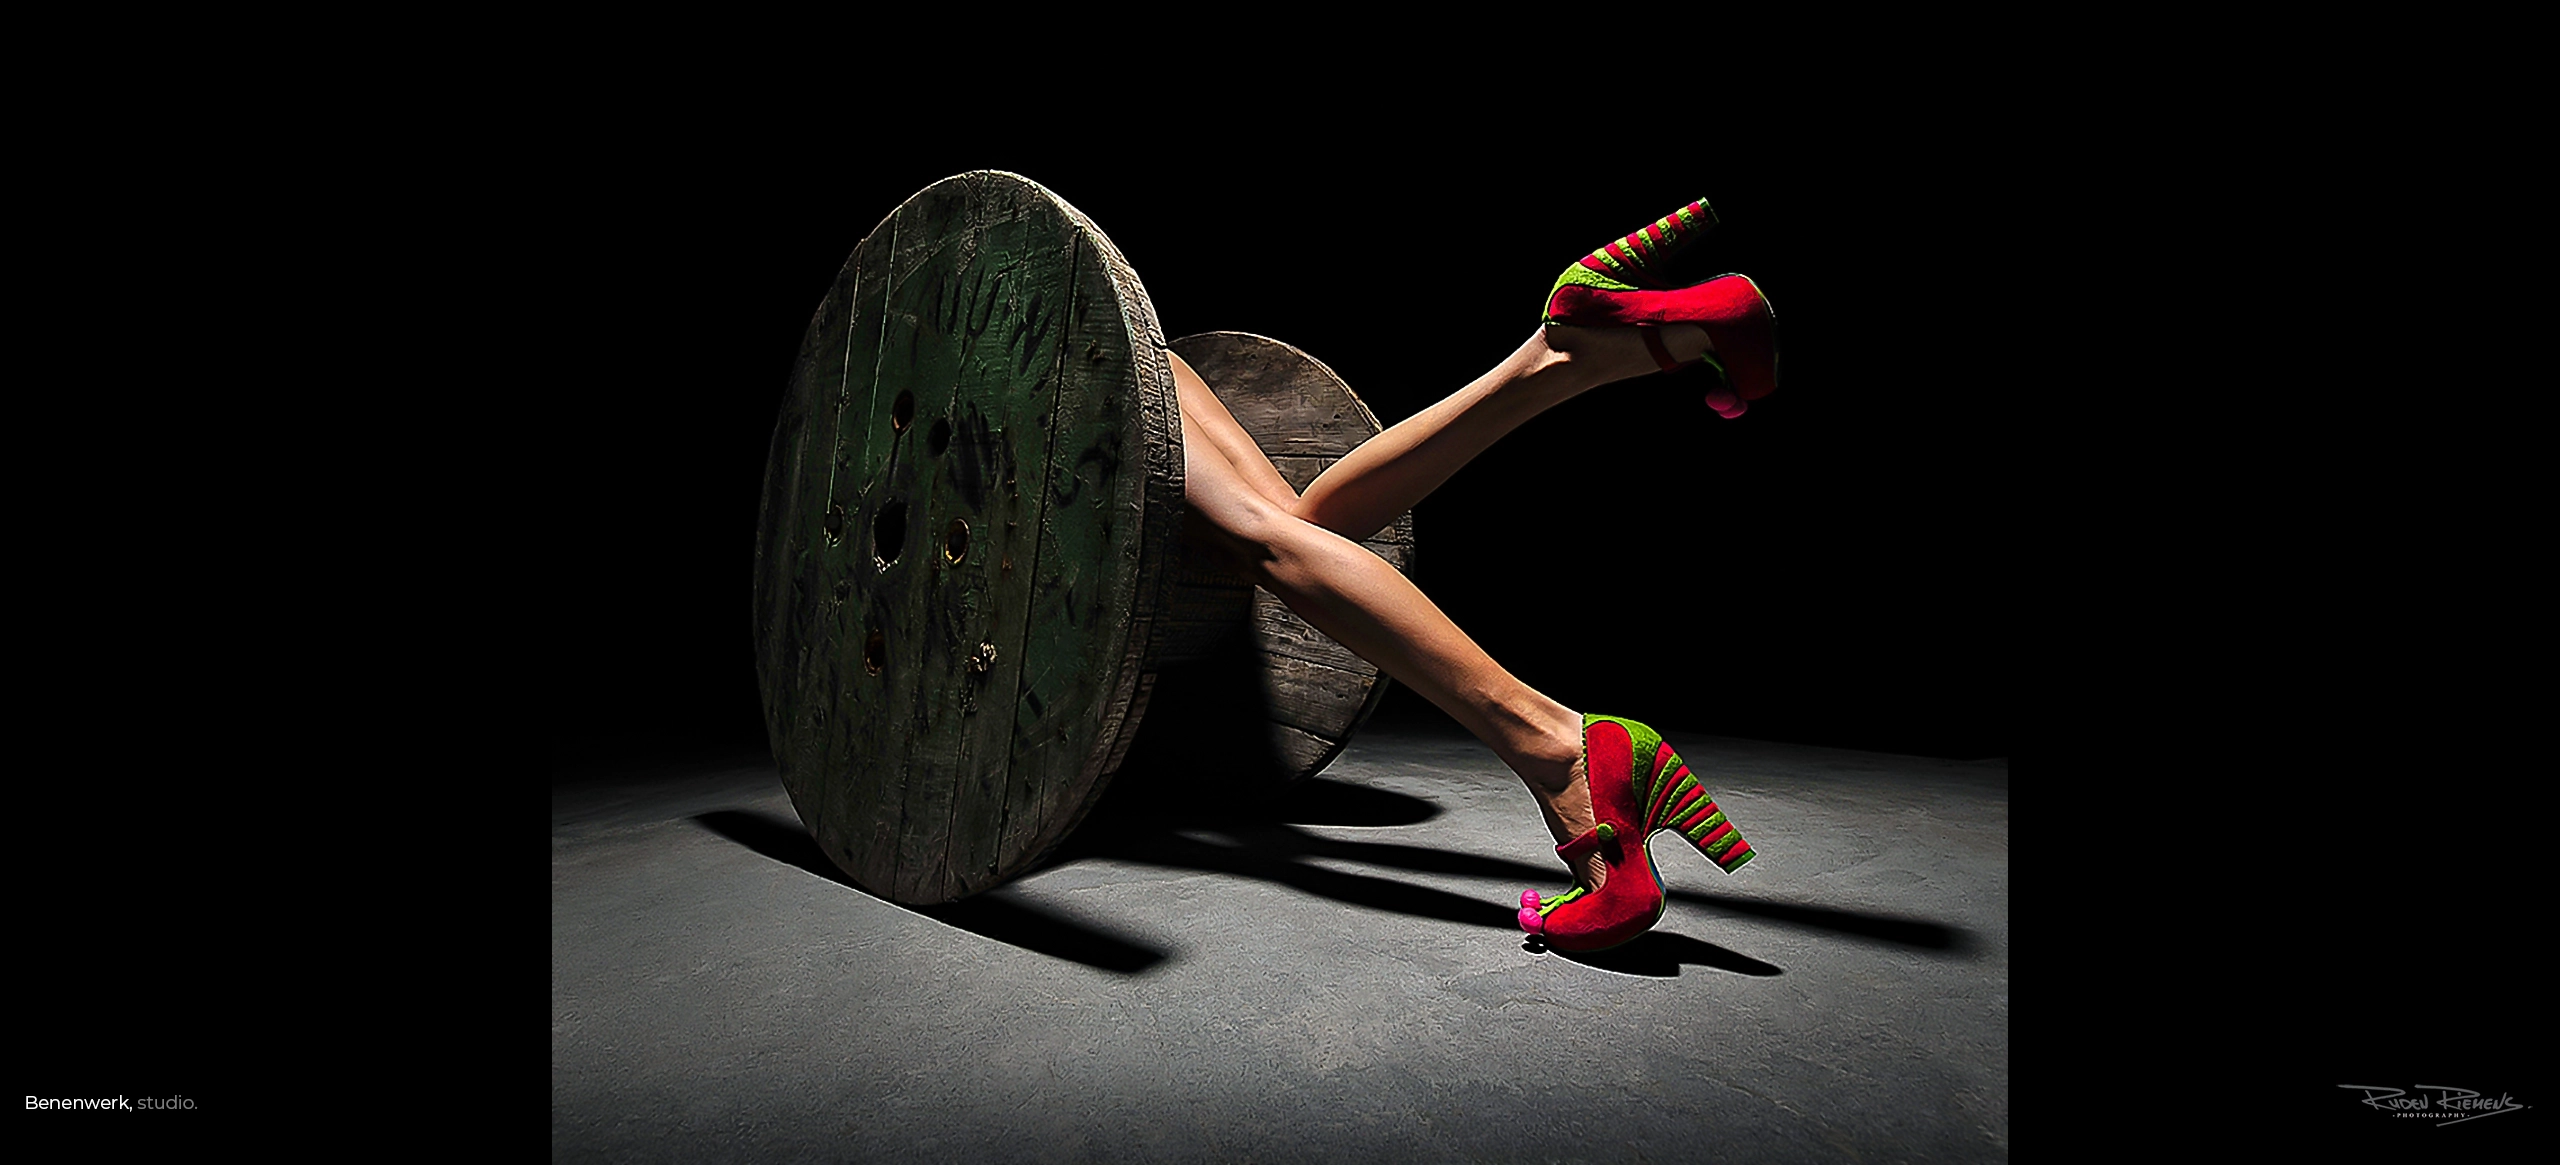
{"x":1623,"y":284}
{"x":1639,"y":787}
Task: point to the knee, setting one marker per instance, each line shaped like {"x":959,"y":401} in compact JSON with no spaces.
{"x":1255,"y":537}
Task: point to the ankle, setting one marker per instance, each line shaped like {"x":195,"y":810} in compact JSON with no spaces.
{"x":1549,"y":370}
{"x":1550,"y":760}
{"x":1593,"y":356}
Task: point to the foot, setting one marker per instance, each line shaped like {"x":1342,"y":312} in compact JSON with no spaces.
{"x":1603,"y":355}
{"x":1568,"y":813}
{"x":1633,"y":780}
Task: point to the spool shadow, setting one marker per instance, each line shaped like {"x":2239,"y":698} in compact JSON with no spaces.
{"x":990,"y":915}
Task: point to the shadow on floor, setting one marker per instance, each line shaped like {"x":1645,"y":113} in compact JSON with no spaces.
{"x":1659,"y":955}
{"x":1254,"y":834}
{"x":991,"y":915}
{"x":1904,"y":932}
{"x":1260,"y":838}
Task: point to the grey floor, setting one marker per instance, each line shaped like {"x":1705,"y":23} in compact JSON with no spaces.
{"x":1334,"y":976}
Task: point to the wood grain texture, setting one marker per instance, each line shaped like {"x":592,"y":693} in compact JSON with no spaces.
{"x":967,"y":592}
{"x":969,"y":500}
{"x":1242,"y":680}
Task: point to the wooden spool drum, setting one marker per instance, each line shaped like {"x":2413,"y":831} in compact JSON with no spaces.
{"x":968,"y":571}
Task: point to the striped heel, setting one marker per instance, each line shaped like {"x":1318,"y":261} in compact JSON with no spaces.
{"x":1623,"y":284}
{"x":1639,"y":787}
{"x":1694,"y":816}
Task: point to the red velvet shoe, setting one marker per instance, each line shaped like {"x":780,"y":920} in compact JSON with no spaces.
{"x":1622,"y":285}
{"x":1638,"y":788}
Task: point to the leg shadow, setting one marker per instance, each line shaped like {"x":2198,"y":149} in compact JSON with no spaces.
{"x":1161,"y":815}
{"x":1265,"y":844}
{"x":990,"y":915}
{"x":1273,"y":853}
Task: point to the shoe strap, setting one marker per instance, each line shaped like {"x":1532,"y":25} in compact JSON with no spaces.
{"x":1653,"y":343}
{"x":1575,"y":850}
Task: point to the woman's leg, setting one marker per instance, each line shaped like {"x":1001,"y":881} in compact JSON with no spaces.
{"x":1243,"y":514}
{"x":1358,"y":495}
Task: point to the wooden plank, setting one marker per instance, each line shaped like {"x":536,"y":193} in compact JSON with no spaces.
{"x":1113,"y":480}
{"x":1302,"y":752}
{"x":1313,"y":697}
{"x":795,"y":567}
{"x":1015,"y":344}
{"x":1205,"y":611}
{"x":895,"y":746}
{"x":924,"y":743}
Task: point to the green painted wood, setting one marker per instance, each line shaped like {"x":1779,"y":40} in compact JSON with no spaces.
{"x":1115,"y":490}
{"x":943,"y":711}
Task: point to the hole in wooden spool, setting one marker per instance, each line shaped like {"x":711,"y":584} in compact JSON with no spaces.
{"x":902,"y":412}
{"x":889,"y":533}
{"x":938,"y":438}
{"x":875,"y":653}
{"x":955,"y":542}
{"x":835,"y":524}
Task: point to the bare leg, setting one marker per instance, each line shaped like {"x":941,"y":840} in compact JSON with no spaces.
{"x":1368,"y":606}
{"x":1301,"y":549}
{"x":1205,"y":417}
{"x":1358,"y":495}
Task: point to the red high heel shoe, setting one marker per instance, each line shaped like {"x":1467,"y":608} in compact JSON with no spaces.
{"x":1638,"y":788}
{"x":1622,"y":285}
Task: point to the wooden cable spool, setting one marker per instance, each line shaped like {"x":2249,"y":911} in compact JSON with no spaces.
{"x":968,"y":575}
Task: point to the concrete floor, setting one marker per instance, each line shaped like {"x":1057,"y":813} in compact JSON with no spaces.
{"x":1332,"y":976}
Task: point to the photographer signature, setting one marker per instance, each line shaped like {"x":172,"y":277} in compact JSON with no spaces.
{"x":2453,"y":1106}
